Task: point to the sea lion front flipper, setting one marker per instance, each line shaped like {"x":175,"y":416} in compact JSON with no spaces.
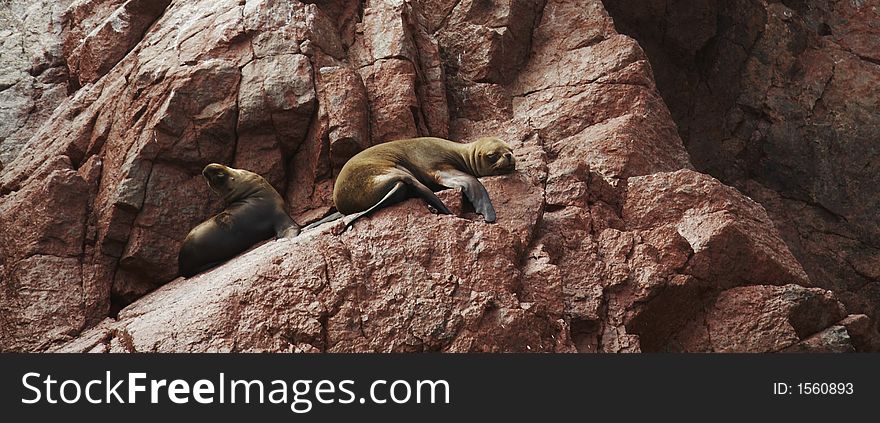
{"x":472,"y":188}
{"x":224,"y":220}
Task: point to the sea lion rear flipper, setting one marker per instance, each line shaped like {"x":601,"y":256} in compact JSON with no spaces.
{"x":285,"y":227}
{"x":288,"y":232}
{"x":472,"y":188}
{"x":429,"y":196}
{"x":328,"y":218}
{"x":396,"y":193}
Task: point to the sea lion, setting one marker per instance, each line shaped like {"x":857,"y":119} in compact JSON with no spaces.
{"x":254,"y":212}
{"x":390,"y":172}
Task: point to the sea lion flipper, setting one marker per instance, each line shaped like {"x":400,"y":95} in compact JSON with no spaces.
{"x":328,"y":218}
{"x":429,"y":196}
{"x":287,"y":232}
{"x":472,"y":188}
{"x":285,"y":227}
{"x":396,"y":194}
{"x":393,"y":195}
{"x":224,"y":220}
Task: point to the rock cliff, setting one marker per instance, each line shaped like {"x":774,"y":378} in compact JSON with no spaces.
{"x":780,"y":100}
{"x":609,"y":239}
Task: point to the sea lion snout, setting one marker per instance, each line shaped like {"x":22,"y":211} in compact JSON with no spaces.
{"x":216,"y":174}
{"x":508,"y":163}
{"x":495,"y":157}
{"x":505,"y":164}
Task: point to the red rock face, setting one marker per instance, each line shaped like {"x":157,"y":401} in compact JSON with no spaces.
{"x":33,"y":74}
{"x":93,"y":47}
{"x":780,"y":100}
{"x":606,"y":239}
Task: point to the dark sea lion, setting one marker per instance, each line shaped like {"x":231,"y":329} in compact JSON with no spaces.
{"x":391,"y":172}
{"x":254,"y":212}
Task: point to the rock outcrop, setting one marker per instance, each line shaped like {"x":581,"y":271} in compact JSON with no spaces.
{"x":607,"y":238}
{"x":780,"y":100}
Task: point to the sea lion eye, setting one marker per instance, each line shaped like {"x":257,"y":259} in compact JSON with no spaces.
{"x":493,"y":156}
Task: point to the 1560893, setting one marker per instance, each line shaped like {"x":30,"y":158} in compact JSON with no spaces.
{"x":825,"y":388}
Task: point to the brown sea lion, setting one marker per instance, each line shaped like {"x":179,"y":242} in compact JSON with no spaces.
{"x":391,"y":172}
{"x":254,"y":212}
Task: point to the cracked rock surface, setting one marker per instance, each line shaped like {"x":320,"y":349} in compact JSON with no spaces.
{"x":608,"y":239}
{"x":779,"y":99}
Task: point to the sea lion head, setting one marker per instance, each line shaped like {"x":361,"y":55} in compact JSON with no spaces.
{"x":231,"y":184}
{"x":493,"y":157}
